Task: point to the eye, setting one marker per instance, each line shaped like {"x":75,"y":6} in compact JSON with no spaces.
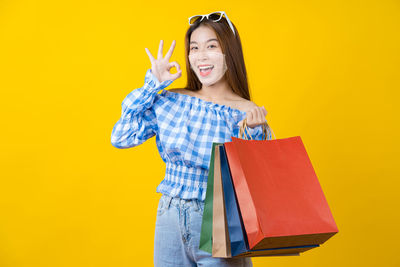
{"x":193,"y":47}
{"x":212,"y":46}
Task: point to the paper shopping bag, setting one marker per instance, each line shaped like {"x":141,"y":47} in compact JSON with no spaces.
{"x":206,"y":224}
{"x":220,"y":237}
{"x":237,"y":235}
{"x":280,"y":199}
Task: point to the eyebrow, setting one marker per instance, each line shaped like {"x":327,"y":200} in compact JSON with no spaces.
{"x":213,"y":39}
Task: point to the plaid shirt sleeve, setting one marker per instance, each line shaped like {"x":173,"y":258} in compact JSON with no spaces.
{"x":138,"y":120}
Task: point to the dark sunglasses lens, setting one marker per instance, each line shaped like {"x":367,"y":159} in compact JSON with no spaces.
{"x":215,"y":16}
{"x":194,"y":19}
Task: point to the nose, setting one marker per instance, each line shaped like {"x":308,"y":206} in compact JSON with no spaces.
{"x":199,"y":56}
{"x":202,"y":55}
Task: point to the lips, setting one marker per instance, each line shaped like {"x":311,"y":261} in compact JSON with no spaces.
{"x":204,"y":71}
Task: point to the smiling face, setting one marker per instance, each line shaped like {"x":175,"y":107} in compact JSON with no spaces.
{"x":206,"y":57}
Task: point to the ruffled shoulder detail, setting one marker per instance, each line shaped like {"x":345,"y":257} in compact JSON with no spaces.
{"x":234,"y":113}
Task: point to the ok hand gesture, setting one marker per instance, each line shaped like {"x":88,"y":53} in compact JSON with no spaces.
{"x":160,"y":67}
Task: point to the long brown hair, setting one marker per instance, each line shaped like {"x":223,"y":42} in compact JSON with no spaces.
{"x":231,"y":46}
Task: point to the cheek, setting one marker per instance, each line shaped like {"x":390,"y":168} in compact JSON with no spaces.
{"x":192,"y":62}
{"x":218,"y":61}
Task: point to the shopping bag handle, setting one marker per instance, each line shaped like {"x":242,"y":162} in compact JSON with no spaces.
{"x":266,"y":131}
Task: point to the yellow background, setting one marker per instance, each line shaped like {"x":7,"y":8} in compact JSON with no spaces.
{"x":325,"y":70}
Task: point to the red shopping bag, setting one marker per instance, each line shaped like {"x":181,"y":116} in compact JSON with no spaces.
{"x":278,"y":192}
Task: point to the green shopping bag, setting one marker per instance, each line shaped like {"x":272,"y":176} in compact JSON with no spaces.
{"x":206,"y":224}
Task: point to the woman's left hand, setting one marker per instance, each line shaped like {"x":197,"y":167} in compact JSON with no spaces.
{"x":255,"y":116}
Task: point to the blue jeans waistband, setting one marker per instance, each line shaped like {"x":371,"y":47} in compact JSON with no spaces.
{"x":181,"y":203}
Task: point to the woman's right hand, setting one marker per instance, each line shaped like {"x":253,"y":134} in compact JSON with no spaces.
{"x":160,"y":67}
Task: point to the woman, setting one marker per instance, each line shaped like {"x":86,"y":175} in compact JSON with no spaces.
{"x":186,"y":122}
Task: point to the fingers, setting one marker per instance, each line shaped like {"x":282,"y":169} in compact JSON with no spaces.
{"x":160,"y":49}
{"x":261,"y":112}
{"x":171,"y":49}
{"x":160,"y":63}
{"x":178,"y":68}
{"x":260,"y":115}
{"x":176,"y":75}
{"x":174,"y":64}
{"x":250,"y":116}
{"x":256,"y":115}
{"x":264,"y":111}
{"x":150,"y":56}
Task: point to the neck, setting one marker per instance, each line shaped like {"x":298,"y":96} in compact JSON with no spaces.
{"x":217,"y":91}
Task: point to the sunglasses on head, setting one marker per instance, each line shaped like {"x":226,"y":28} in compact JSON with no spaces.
{"x":214,"y":16}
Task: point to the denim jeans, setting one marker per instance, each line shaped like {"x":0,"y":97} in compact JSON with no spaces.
{"x":177,"y":236}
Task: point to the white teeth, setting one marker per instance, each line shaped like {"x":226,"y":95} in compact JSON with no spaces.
{"x":206,"y":67}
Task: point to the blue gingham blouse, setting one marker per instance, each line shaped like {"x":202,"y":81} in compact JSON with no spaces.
{"x":185,"y":128}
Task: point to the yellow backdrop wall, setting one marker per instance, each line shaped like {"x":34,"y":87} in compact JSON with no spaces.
{"x":325,"y":70}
